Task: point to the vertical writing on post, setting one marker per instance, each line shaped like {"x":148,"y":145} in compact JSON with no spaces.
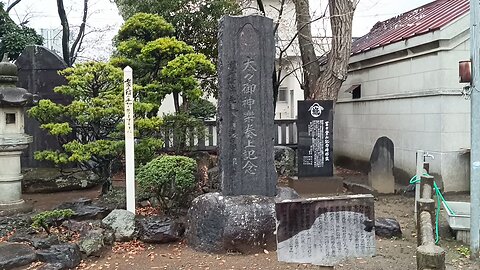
{"x":129,"y":138}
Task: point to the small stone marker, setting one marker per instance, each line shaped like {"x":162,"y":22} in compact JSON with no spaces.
{"x":129,"y":140}
{"x":325,"y":231}
{"x":381,"y":176}
{"x":245,"y":106}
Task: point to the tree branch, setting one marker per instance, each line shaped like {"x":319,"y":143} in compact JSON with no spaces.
{"x":12,"y":5}
{"x":81,"y":33}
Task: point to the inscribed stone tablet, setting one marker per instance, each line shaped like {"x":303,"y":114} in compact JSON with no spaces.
{"x":326,"y":230}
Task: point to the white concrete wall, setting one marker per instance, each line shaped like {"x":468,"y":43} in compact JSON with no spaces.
{"x":288,"y":110}
{"x":415,"y":102}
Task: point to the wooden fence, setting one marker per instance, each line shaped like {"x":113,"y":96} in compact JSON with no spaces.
{"x":286,"y":134}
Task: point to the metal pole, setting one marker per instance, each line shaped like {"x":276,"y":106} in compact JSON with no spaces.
{"x":475,"y":131}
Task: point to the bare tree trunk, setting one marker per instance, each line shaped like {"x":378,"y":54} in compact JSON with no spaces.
{"x":65,"y":32}
{"x":331,"y":79}
{"x":81,"y":33}
{"x":176,"y":102}
{"x":311,"y":67}
{"x":70,"y":54}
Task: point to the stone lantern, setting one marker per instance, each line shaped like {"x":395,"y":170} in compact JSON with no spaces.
{"x":13,"y":140}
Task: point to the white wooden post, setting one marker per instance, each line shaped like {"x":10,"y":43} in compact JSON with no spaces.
{"x":129,"y":138}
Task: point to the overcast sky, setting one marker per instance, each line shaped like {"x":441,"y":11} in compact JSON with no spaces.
{"x":104,"y":14}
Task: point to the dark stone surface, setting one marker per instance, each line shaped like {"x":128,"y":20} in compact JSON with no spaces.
{"x":67,"y":254}
{"x":10,"y":95}
{"x":92,"y":243}
{"x":84,"y":210}
{"x":387,"y":227}
{"x":47,"y":180}
{"x":214,"y":179}
{"x":357,"y":188}
{"x":15,"y":255}
{"x":81,"y":227}
{"x":37,"y":72}
{"x":53,"y":266}
{"x":245,"y":105}
{"x":331,"y":228}
{"x":315,"y":138}
{"x":35,"y":241}
{"x":380,"y":176}
{"x":243,"y":224}
{"x":18,"y":222}
{"x":327,"y":185}
{"x":285,"y":163}
{"x":286,"y":193}
{"x":122,"y":222}
{"x":160,"y":230}
{"x":115,"y":198}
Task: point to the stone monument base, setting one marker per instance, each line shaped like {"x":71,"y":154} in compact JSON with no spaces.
{"x":15,"y":208}
{"x":317,"y":185}
{"x":245,"y":223}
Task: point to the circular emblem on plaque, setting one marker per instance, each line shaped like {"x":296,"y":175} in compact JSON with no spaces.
{"x":316,"y":110}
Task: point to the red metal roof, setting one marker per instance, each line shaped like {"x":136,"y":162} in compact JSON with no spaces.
{"x":419,"y":21}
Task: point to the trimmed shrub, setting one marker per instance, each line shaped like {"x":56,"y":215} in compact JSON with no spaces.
{"x":171,"y":179}
{"x":47,"y":219}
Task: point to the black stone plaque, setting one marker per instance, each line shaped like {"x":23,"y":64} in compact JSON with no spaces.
{"x":38,"y":73}
{"x":245,"y":106}
{"x":315,"y":138}
{"x":325,"y":230}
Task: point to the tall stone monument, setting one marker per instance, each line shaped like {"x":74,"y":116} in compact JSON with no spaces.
{"x":13,"y":140}
{"x":245,"y":112}
{"x":242,"y":219}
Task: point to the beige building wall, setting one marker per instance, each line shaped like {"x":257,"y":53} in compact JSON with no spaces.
{"x":417,"y":102}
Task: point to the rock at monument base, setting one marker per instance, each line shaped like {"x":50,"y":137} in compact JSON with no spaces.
{"x":285,"y":161}
{"x":160,"y":230}
{"x":122,"y":222}
{"x":387,"y":227}
{"x":68,"y":255}
{"x":15,"y":255}
{"x":92,"y":243}
{"x":244,"y":223}
{"x":47,"y":180}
